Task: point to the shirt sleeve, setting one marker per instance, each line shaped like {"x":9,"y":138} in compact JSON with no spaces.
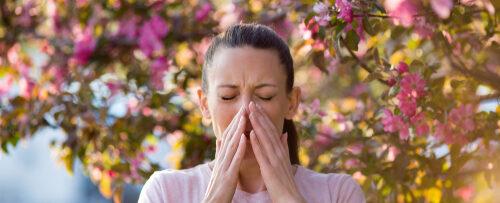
{"x":344,"y":189}
{"x":152,"y":190}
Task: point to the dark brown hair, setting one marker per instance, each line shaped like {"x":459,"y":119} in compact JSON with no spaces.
{"x":261,"y":37}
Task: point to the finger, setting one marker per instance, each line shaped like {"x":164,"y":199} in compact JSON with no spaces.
{"x":233,"y":145}
{"x":257,"y":150}
{"x":267,"y":125}
{"x":261,"y":134}
{"x":240,"y":153}
{"x":224,"y":142}
{"x":264,"y":135}
{"x":285,"y":146}
{"x":285,"y":141}
{"x":217,"y":147}
{"x":266,"y":119}
{"x":228,"y":132}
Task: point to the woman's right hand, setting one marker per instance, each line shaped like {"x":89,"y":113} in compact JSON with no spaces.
{"x":229,"y":154}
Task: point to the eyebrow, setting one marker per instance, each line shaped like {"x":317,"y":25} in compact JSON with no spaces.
{"x":236,"y":86}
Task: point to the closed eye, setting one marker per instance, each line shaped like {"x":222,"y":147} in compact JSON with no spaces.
{"x":228,"y":98}
{"x":267,"y":98}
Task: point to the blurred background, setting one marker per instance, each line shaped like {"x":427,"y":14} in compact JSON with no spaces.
{"x":403,"y":95}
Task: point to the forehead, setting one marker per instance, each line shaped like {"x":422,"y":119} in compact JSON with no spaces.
{"x":246,"y":65}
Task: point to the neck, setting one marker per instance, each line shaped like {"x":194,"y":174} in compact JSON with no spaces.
{"x":249,"y":177}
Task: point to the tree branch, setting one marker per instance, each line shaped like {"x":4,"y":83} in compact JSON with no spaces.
{"x":361,"y":63}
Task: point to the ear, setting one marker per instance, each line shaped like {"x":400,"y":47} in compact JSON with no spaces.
{"x":203,"y":104}
{"x":293,"y":103}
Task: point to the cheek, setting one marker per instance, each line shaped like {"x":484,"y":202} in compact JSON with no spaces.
{"x":222,"y":115}
{"x":275,"y":111}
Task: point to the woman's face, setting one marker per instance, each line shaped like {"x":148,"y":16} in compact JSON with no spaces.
{"x":240,"y":75}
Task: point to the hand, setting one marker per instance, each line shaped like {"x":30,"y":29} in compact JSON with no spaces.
{"x":271,"y":151}
{"x":229,"y":154}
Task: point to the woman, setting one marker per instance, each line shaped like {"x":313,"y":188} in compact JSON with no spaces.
{"x":248,"y":94}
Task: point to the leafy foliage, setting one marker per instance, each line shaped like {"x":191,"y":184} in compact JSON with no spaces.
{"x":392,"y":89}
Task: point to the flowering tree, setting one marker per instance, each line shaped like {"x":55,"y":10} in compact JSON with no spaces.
{"x":393,"y":90}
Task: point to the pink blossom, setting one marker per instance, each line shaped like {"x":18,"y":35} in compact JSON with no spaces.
{"x":404,"y":131}
{"x":158,"y":25}
{"x":359,"y":29}
{"x":314,"y":106}
{"x":24,"y":19}
{"x":26,"y":87}
{"x":393,"y":123}
{"x":319,"y":45}
{"x":423,"y":28}
{"x":458,"y":125}
{"x":391,"y":82}
{"x":353,"y":163}
{"x":112,"y":173}
{"x":84,"y":48}
{"x":128,"y":27}
{"x":359,"y":89}
{"x":312,"y":26}
{"x":402,"y":67}
{"x":413,"y":85}
{"x":345,"y":10}
{"x":463,"y":117}
{"x":323,"y":16}
{"x":320,"y":8}
{"x":407,"y":104}
{"x":15,"y":58}
{"x":202,"y":13}
{"x":355,"y":149}
{"x":133,"y":105}
{"x":466,"y":193}
{"x":402,"y":11}
{"x":113,"y":87}
{"x":284,"y":28}
{"x":322,"y":140}
{"x":151,"y":34}
{"x":421,"y":126}
{"x":442,"y":7}
{"x":158,"y":69}
{"x":149,"y":42}
{"x":81,"y":3}
{"x":6,"y":84}
{"x":393,"y":153}
{"x":59,"y":75}
{"x":412,"y":88}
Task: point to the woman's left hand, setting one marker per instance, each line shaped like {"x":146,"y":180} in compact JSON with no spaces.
{"x":271,"y":151}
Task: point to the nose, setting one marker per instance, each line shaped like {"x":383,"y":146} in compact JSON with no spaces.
{"x":245,"y":101}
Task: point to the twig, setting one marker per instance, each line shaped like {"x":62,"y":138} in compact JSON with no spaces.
{"x":361,"y":63}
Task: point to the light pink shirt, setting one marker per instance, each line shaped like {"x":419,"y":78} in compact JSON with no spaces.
{"x":189,"y":185}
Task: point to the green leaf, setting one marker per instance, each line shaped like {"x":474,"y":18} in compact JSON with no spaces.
{"x":318,"y":58}
{"x":352,"y":40}
{"x":397,"y":32}
{"x":369,"y":26}
{"x":373,"y":76}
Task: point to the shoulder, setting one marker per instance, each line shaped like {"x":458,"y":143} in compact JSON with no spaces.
{"x":170,"y":184}
{"x":179,"y":176}
{"x":341,"y":187}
